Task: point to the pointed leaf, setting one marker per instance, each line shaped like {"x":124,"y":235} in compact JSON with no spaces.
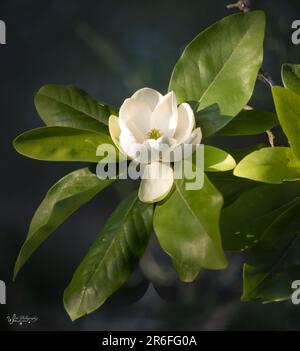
{"x":64,"y":198}
{"x":250,"y":122}
{"x":221,"y":64}
{"x":111,"y":259}
{"x":61,"y":144}
{"x":273,"y":264}
{"x":217,"y":160}
{"x":291,"y":77}
{"x":270,"y":165}
{"x":287,"y":105}
{"x":229,"y":185}
{"x":192,"y":236}
{"x":68,"y":106}
{"x":243,"y":222}
{"x":210,"y":120}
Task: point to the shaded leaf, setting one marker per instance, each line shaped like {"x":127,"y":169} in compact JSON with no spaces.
{"x":192,"y":236}
{"x":250,"y":122}
{"x":60,"y":202}
{"x":244,"y":221}
{"x":111,"y":259}
{"x":274,"y":263}
{"x":210,"y":120}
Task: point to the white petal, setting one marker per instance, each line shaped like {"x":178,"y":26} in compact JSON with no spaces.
{"x":164,"y":117}
{"x":188,"y":147}
{"x":129,"y":144}
{"x":159,"y":184}
{"x":195,"y":137}
{"x":150,"y":96}
{"x":185,"y":123}
{"x":135,"y":115}
{"x":114,"y":129}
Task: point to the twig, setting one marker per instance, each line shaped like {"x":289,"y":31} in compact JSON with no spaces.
{"x":266,"y":78}
{"x":271,"y":137}
{"x":241,"y":5}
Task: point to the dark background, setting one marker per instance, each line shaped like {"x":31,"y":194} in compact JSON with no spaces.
{"x":110,"y":49}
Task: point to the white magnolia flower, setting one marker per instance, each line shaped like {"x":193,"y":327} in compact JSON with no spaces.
{"x":151,"y":121}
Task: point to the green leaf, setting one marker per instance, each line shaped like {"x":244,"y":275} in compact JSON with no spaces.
{"x":111,"y":259}
{"x":217,"y":160}
{"x":291,"y":77}
{"x":270,"y":165}
{"x":61,"y":144}
{"x":210,"y":120}
{"x":221,"y":64}
{"x":229,"y":185}
{"x":187,"y":227}
{"x":67,"y":106}
{"x":244,"y":221}
{"x":287,"y":105}
{"x":61,"y":201}
{"x":241,"y":152}
{"x":273,"y":264}
{"x":250,"y":122}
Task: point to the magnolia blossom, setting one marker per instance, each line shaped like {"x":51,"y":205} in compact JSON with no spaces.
{"x":153,"y":122}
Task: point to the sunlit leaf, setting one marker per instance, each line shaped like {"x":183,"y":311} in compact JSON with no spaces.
{"x":221,"y":64}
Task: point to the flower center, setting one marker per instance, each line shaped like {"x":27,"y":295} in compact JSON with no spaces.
{"x":154,"y":134}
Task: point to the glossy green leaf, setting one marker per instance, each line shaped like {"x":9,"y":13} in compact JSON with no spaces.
{"x":270,"y":165}
{"x":250,"y":122}
{"x":63,"y":198}
{"x":210,"y":120}
{"x":274,"y":263}
{"x":111,"y":259}
{"x":229,"y":185}
{"x":241,"y":152}
{"x":67,"y":106}
{"x":61,"y":144}
{"x":291,"y":77}
{"x":221,"y":64}
{"x":217,"y":160}
{"x":287,"y":105}
{"x":244,"y":221}
{"x":192,"y":236}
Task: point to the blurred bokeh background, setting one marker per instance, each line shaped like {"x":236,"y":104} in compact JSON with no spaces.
{"x":110,"y":49}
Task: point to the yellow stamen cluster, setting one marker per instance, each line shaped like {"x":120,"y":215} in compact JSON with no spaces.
{"x":154,"y":134}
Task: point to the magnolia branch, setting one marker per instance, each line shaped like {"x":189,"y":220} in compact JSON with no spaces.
{"x":243,"y":6}
{"x":263,"y":76}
